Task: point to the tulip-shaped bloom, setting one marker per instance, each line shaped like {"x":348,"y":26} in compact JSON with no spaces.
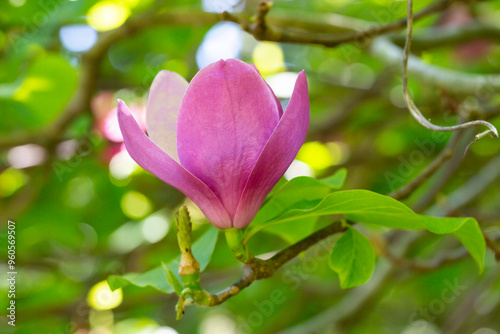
{"x":223,"y":140}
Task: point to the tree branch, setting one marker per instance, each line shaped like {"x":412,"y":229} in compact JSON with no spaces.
{"x":428,"y":38}
{"x":454,"y":81}
{"x":258,"y":269}
{"x":263,"y":31}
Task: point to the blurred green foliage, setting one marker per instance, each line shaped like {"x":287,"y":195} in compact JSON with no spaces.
{"x":84,"y":212}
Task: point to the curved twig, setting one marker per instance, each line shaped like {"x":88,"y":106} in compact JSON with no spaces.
{"x":415,"y":112}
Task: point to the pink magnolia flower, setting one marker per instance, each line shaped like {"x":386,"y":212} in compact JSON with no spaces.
{"x":223,"y":140}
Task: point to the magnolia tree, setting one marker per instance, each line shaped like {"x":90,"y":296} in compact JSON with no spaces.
{"x":307,"y":160}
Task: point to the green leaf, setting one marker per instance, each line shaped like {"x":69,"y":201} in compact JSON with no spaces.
{"x":204,"y":247}
{"x":470,"y":235}
{"x":466,"y":230}
{"x":442,"y":225}
{"x":372,"y":208}
{"x":293,"y":231}
{"x":362,"y":206}
{"x":353,"y":259}
{"x":301,"y":192}
{"x":157,"y":277}
{"x":336,"y":181}
{"x":172,"y":279}
{"x":116,"y":282}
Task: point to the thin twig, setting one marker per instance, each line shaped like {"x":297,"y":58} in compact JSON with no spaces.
{"x":411,"y":105}
{"x":406,"y":190}
{"x":492,"y":245}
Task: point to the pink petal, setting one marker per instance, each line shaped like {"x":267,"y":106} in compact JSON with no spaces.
{"x":226,"y":117}
{"x":154,"y":160}
{"x":278,"y":102}
{"x":277,"y":155}
{"x":164,"y":100}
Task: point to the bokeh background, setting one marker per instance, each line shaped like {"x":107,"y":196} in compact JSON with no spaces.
{"x":84,"y":210}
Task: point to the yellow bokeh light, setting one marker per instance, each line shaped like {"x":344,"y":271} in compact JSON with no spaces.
{"x":131,"y":3}
{"x":11,"y":180}
{"x":107,"y":15}
{"x":338,"y":151}
{"x":135,"y":205}
{"x":268,"y":58}
{"x":101,"y":297}
{"x":316,"y":155}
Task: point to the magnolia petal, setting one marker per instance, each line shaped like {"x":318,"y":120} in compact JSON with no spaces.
{"x":277,"y":155}
{"x":164,"y":100}
{"x":226,"y":117}
{"x":156,"y":161}
{"x":278,"y":102}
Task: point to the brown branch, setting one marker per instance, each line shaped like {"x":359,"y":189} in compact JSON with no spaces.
{"x":262,"y":31}
{"x":428,"y":38}
{"x":259,"y":269}
{"x":491,"y":244}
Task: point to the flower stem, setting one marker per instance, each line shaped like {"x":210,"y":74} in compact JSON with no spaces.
{"x":234,"y":238}
{"x":189,"y":268}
